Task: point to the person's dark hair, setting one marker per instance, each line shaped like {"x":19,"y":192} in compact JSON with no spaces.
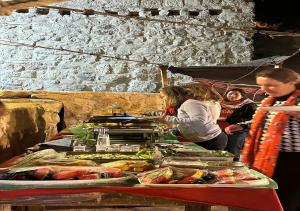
{"x":281,"y":74}
{"x":237,"y":90}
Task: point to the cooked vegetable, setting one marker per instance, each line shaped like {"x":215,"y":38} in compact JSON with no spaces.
{"x":30,"y":159}
{"x":71,"y":174}
{"x":42,"y":173}
{"x":89,"y":176}
{"x":146,"y":154}
{"x":60,"y":173}
{"x":130,"y":165}
{"x":191,"y":179}
{"x":157,"y":176}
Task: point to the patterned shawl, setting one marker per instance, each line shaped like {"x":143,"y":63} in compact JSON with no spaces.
{"x":262,"y":153}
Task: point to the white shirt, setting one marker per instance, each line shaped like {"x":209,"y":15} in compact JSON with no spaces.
{"x":194,"y":121}
{"x":214,"y":107}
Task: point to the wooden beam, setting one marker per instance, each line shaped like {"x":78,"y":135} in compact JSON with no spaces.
{"x":7,"y":7}
{"x":164,"y":75}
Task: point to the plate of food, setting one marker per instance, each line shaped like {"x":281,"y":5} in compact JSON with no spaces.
{"x":241,"y":184}
{"x":191,"y":178}
{"x":281,"y":108}
{"x":63,"y":177}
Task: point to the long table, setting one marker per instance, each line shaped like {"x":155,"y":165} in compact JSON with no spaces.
{"x":248,"y":198}
{"x":263,"y":199}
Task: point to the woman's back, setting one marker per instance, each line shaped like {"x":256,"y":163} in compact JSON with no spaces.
{"x":215,"y":109}
{"x":194,"y":120}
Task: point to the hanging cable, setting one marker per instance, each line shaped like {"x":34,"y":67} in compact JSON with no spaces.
{"x":98,"y":55}
{"x":254,"y":70}
{"x":255,"y":93}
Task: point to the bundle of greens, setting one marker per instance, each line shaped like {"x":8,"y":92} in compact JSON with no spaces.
{"x":82,"y":132}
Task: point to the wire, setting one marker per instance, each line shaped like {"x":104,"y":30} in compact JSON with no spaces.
{"x":254,"y":95}
{"x":256,"y":68}
{"x":243,"y":76}
{"x":98,"y":55}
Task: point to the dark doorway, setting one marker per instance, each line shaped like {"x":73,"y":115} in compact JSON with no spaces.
{"x":281,"y":16}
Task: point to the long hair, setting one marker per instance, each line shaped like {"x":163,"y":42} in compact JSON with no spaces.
{"x":176,"y":95}
{"x":202,"y":91}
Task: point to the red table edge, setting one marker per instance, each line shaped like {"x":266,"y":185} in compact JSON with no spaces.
{"x":217,"y":196}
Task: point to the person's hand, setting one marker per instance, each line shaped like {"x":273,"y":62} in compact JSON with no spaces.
{"x":295,"y":114}
{"x":233,"y":128}
{"x":182,"y":139}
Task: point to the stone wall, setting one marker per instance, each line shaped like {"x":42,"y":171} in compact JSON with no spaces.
{"x":119,"y":45}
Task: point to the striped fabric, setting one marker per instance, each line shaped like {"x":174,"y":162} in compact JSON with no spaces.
{"x":290,"y":141}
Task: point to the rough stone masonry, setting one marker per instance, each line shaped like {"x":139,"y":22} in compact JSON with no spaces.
{"x":118,"y":45}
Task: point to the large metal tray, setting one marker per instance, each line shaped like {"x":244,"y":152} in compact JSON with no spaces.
{"x":202,"y":153}
{"x":123,"y":120}
{"x":263,"y":183}
{"x":64,"y":144}
{"x":106,"y":160}
{"x":113,"y":118}
{"x":203,"y":158}
{"x":200,"y":164}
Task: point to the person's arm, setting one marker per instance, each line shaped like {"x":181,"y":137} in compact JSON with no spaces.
{"x":241,"y":119}
{"x":251,"y":110}
{"x":245,"y":113}
{"x":249,"y":115}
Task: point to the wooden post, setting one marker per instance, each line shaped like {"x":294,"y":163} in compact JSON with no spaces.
{"x":164,"y":75}
{"x":5,"y":207}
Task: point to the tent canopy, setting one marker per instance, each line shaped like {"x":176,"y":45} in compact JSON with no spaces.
{"x":243,"y":73}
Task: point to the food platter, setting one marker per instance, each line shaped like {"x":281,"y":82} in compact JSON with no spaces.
{"x":246,"y":184}
{"x":24,"y":184}
{"x":108,"y":157}
{"x":205,"y":154}
{"x":201,"y":164}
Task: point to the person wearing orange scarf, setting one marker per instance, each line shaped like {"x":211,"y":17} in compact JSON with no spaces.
{"x":273,"y":143}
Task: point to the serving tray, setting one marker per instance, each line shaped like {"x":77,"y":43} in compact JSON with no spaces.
{"x":264,"y":182}
{"x":25,"y":184}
